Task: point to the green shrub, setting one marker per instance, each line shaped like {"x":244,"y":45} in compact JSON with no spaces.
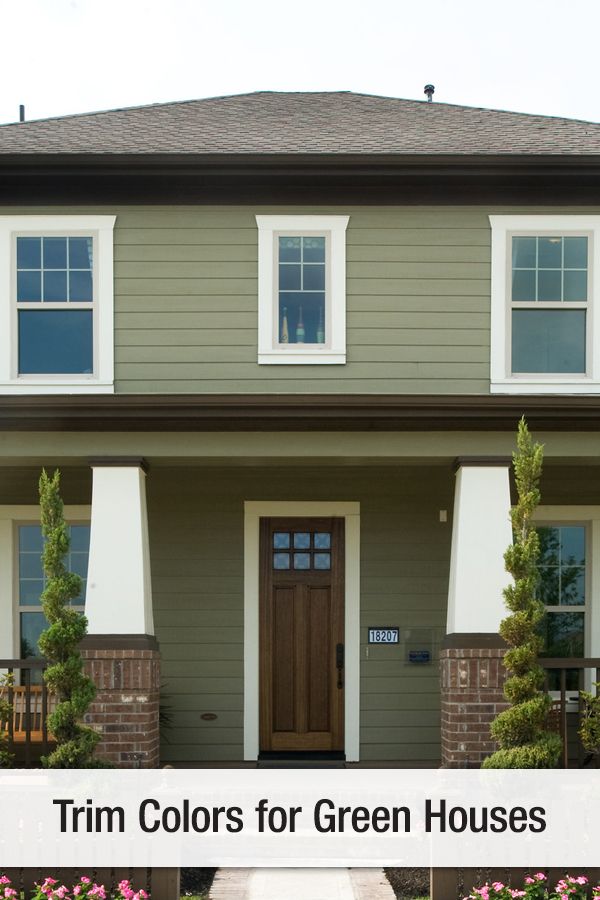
{"x":6,"y":712}
{"x":589,"y":730}
{"x":59,"y":644}
{"x":520,"y":730}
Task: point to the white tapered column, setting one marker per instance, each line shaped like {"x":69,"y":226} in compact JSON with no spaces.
{"x":119,"y":593}
{"x":481,"y":532}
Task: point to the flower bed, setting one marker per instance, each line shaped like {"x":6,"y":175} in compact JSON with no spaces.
{"x":51,"y":889}
{"x":536,"y":887}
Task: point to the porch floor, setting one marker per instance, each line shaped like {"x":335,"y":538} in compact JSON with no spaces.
{"x":368,"y":764}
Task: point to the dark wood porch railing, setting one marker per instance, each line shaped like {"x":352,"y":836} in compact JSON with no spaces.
{"x":561,"y":711}
{"x":26,"y":728}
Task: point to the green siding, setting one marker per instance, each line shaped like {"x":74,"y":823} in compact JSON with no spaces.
{"x":196,"y":532}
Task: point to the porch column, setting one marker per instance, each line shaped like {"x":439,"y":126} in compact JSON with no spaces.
{"x":120,"y":649}
{"x":472,"y":673}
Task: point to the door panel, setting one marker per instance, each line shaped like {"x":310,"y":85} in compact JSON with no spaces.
{"x":301,"y":624}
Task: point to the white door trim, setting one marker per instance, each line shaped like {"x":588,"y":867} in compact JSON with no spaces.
{"x":253,"y":511}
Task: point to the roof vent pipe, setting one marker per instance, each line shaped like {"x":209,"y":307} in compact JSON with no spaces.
{"x":21,"y":113}
{"x":429,"y":90}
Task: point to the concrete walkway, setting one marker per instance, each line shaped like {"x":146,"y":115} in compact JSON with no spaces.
{"x":301,"y":884}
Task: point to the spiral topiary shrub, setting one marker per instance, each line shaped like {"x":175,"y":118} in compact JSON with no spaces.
{"x":65,"y":677}
{"x":520,"y":730}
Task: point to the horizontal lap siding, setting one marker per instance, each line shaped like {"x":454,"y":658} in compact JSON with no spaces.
{"x":196,"y":532}
{"x":418,"y":297}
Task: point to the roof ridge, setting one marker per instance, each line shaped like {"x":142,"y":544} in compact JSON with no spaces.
{"x":341,"y":93}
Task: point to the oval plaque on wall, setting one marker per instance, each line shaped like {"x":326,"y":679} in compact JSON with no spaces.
{"x":208,"y":717}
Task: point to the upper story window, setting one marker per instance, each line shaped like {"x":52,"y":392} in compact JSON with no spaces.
{"x":302,"y":289}
{"x":56,"y":304}
{"x":545,"y":336}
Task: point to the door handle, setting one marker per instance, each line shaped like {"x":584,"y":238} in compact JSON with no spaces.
{"x":339,"y":663}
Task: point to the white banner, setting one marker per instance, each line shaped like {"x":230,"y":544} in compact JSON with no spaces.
{"x":299,"y":817}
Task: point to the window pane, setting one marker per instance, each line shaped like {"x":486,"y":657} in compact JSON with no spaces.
{"x":572,"y":545}
{"x":30,"y":590}
{"x":572,"y":586}
{"x":30,"y":538}
{"x":549,"y":284}
{"x":548,"y":341}
{"x":304,"y":315}
{"x":29,"y":286}
{"x":523,"y":285}
{"x":29,"y":253}
{"x":314,"y":278}
{"x":549,"y":538}
{"x":80,"y":286}
{"x":55,"y":253}
{"x":314,"y":249}
{"x":549,"y":585}
{"x":55,"y":342}
{"x":549,"y":252}
{"x":524,"y":253}
{"x":563,"y":634}
{"x":80,"y":538}
{"x":80,"y":253}
{"x":30,"y":565}
{"x":576,"y":252}
{"x":289,"y":249}
{"x":32,"y":625}
{"x":575,"y":288}
{"x":55,"y":287}
{"x":290,"y":277}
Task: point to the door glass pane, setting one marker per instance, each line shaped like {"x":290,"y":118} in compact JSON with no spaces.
{"x":547,"y":340}
{"x":281,"y":560}
{"x":322,"y":540}
{"x":281,"y":540}
{"x":322,"y":560}
{"x":302,"y":560}
{"x":301,"y":540}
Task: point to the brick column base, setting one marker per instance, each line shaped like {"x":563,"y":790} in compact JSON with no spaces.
{"x":472,"y":681}
{"x":126,"y":670}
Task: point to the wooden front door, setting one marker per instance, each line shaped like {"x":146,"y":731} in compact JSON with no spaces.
{"x":301,"y":634}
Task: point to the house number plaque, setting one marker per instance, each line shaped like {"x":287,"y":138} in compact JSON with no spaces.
{"x":384,"y":634}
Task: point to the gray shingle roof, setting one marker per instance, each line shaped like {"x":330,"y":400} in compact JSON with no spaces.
{"x":303,"y":123}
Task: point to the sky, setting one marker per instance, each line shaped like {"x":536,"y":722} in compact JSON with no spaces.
{"x":61,"y":57}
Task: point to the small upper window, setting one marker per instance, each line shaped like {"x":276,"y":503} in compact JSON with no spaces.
{"x":302,"y":291}
{"x":56,"y":321}
{"x":543,"y":327}
{"x":55,"y":305}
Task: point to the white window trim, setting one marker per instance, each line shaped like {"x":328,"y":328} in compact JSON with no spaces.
{"x":10,"y":517}
{"x":501,"y":380}
{"x":350,"y":512}
{"x":332,"y":353}
{"x":102,"y":382}
{"x":590,"y":517}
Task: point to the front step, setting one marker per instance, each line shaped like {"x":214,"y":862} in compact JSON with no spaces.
{"x":301,"y":760}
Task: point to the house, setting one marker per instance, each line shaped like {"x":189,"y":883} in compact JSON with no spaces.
{"x":278,"y":345}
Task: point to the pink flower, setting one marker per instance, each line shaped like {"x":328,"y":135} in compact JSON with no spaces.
{"x":582,"y":880}
{"x":4,"y":879}
{"x":77,"y":889}
{"x":498,"y":886}
{"x":540,"y":876}
{"x":9,"y":892}
{"x":143,"y":894}
{"x":85,"y":879}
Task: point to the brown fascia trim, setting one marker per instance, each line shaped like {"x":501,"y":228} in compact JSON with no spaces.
{"x":335,"y":179}
{"x":473,"y":641}
{"x":296,"y":412}
{"x":137,"y":462}
{"x":462,"y":462}
{"x":118,"y":642}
